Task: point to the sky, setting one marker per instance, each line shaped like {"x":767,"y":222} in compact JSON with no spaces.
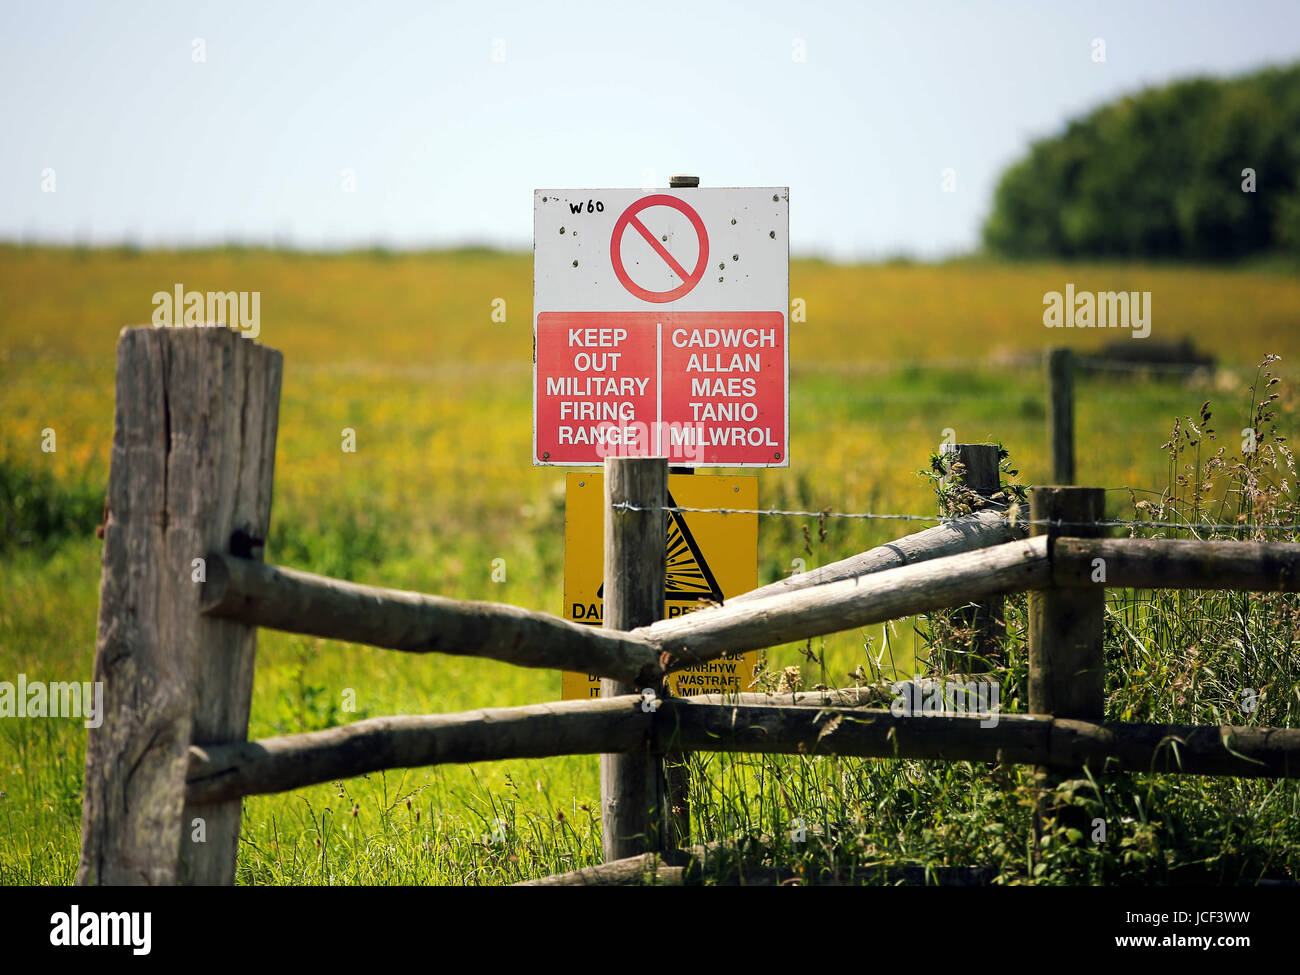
{"x":410,"y":125}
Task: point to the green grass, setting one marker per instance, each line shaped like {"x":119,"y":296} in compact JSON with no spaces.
{"x":400,"y":350}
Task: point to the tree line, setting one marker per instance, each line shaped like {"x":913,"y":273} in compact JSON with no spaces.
{"x":1204,"y":169}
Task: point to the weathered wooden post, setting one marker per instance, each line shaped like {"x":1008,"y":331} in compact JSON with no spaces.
{"x":193,"y":455}
{"x":1060,"y":413}
{"x":677,"y":769}
{"x":632,"y":783}
{"x":1067,"y":675}
{"x":982,"y":475}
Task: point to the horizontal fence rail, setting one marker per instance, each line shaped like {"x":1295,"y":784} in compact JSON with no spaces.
{"x":717,"y":724}
{"x":394,"y":619}
{"x":1176,"y":563}
{"x":409,"y":741}
{"x":890,"y":594}
{"x":299,"y":602}
{"x":954,"y":537}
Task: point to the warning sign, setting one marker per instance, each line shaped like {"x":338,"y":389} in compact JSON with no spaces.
{"x":660,"y":326}
{"x":710,"y":557}
{"x":631,"y":216}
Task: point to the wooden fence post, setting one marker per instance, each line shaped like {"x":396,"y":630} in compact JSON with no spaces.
{"x":1067,"y":675}
{"x":1060,"y":413}
{"x":986,"y":619}
{"x":677,"y":769}
{"x":193,"y":455}
{"x":632,"y":783}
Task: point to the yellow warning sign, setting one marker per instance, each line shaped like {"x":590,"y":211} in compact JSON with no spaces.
{"x":711,"y":557}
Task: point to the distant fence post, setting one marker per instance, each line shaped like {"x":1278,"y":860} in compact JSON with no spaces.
{"x":193,"y":454}
{"x":632,"y":783}
{"x":986,"y":620}
{"x":1060,"y":413}
{"x":1067,"y":676}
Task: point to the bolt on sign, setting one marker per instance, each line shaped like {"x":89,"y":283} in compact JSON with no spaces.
{"x":711,"y":557}
{"x":660,"y":326}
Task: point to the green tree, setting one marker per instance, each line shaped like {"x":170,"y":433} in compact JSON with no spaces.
{"x":1159,"y":174}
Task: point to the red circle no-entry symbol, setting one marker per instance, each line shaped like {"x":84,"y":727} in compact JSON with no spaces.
{"x":630,"y":218}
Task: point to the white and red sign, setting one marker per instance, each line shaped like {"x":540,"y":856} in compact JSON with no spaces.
{"x":661,"y":327}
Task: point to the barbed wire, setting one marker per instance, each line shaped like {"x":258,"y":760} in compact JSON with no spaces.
{"x":947,"y":519}
{"x":629,"y":506}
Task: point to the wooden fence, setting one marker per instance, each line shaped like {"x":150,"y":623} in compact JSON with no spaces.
{"x":184,"y":589}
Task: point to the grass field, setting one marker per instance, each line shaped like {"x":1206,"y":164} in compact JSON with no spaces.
{"x":402,"y":349}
